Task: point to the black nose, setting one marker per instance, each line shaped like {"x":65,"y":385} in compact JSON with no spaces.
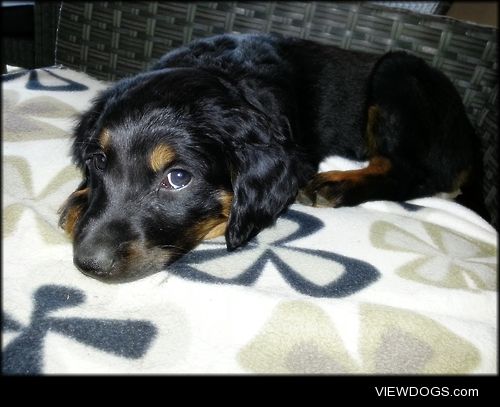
{"x":95,"y":260}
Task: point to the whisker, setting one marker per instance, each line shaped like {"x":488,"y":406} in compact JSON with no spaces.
{"x":169,"y":246}
{"x":87,"y":143}
{"x":163,"y":281}
{"x":145,"y":196}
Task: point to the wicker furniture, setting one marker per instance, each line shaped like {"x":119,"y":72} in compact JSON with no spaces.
{"x":110,"y":40}
{"x":29,"y":34}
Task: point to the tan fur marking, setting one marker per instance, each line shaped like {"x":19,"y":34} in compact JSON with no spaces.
{"x":371,"y":142}
{"x":204,"y":228}
{"x":215,"y":227}
{"x":105,"y":140}
{"x":73,"y":212}
{"x":461,"y":179}
{"x":72,"y":217}
{"x":79,"y":193}
{"x":161,"y":156}
{"x":226,"y":200}
{"x":216,"y":231}
{"x":377,"y":166}
{"x":311,"y":194}
{"x":133,"y":252}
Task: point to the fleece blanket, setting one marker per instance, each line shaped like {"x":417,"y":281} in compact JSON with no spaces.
{"x":382,"y":288}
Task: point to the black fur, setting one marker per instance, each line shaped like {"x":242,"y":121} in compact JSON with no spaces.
{"x":253,"y":115}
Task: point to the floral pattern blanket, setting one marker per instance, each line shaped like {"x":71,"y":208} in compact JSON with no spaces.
{"x":382,"y":288}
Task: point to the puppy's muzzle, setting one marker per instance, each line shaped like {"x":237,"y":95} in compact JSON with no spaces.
{"x":95,"y":259}
{"x":109,"y":251}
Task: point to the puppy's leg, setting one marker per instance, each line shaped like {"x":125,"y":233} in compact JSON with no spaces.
{"x":379,"y":180}
{"x":388,"y":176}
{"x":418,"y":139}
{"x":407,"y":159}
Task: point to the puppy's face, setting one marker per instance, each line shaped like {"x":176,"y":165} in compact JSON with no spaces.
{"x":164,"y":168}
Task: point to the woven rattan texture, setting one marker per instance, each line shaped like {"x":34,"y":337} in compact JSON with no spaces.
{"x":110,"y":40}
{"x":46,"y":17}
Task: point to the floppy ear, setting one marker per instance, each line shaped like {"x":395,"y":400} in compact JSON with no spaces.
{"x":263,"y":163}
{"x":264,"y":184}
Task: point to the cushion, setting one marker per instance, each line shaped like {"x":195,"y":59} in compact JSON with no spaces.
{"x":384,"y":287}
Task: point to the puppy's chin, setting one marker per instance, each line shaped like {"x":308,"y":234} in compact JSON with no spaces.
{"x":120,"y":276}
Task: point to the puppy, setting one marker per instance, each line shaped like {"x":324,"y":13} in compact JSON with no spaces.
{"x":219,"y":137}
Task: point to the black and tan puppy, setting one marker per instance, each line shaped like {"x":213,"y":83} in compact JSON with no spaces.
{"x":220,"y":136}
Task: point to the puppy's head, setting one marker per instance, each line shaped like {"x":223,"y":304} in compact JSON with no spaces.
{"x":170,"y":158}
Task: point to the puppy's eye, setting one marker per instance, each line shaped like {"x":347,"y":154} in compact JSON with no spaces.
{"x":98,"y":160}
{"x":176,"y":179}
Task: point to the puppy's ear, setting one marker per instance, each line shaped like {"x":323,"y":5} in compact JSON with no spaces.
{"x":263,"y":162}
{"x":264,"y":183}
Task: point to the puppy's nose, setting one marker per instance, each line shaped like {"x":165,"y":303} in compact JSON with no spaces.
{"x":95,"y":261}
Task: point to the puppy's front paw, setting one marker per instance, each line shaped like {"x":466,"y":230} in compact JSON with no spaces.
{"x":324,"y":190}
{"x":305,"y":199}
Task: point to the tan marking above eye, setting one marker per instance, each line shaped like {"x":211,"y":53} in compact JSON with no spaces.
{"x":161,"y":156}
{"x":105,"y":140}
